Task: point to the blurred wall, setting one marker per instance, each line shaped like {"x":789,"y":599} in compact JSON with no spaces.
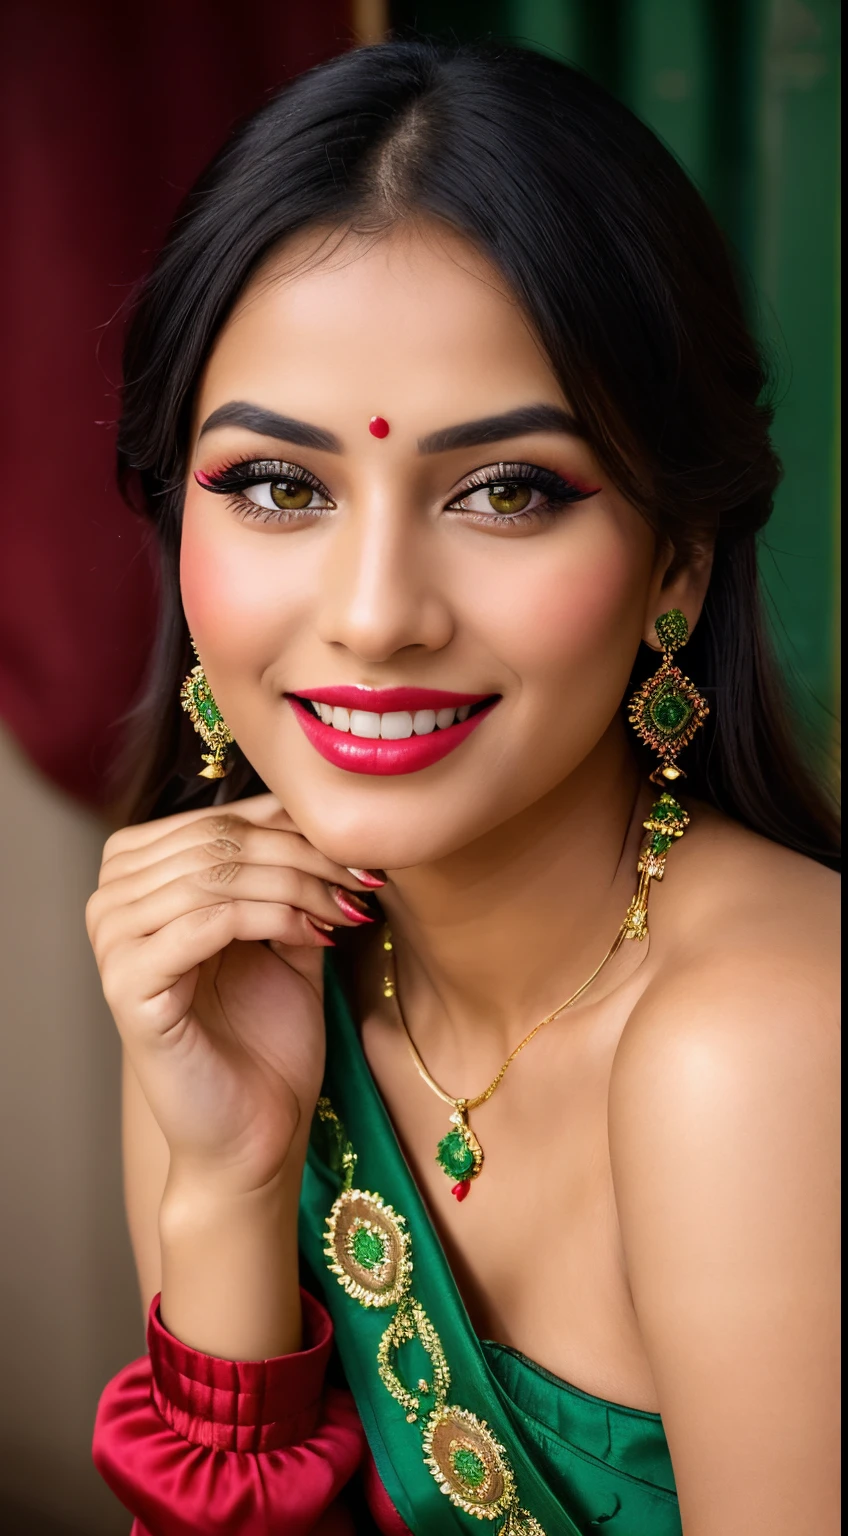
{"x":68,"y":1299}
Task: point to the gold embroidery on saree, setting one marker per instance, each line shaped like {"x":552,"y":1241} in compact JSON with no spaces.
{"x":368,"y":1248}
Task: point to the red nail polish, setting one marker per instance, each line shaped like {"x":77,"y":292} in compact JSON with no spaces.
{"x":369,"y":877}
{"x":324,"y":941}
{"x":350,"y":906}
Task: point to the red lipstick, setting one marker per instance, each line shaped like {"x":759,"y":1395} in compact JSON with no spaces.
{"x":379,"y":755}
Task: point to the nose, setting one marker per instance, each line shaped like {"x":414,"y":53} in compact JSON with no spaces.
{"x":380,"y":592}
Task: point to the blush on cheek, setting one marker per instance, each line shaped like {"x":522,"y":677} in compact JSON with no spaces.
{"x":567,"y":614}
{"x":199,"y":585}
{"x":578,"y":617}
{"x":231,"y":590}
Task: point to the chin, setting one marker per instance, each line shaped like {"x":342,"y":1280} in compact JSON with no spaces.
{"x":389,"y":847}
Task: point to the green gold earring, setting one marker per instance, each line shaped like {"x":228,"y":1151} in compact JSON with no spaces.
{"x":199,"y":704}
{"x":668,"y":710}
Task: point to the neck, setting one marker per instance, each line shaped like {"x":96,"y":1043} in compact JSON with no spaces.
{"x":493,"y":937}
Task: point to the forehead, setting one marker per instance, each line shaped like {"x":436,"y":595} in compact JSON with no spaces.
{"x":400,"y":318}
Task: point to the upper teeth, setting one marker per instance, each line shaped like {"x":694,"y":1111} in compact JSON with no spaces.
{"x":393,"y":726}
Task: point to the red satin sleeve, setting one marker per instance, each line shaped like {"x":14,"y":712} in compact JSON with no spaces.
{"x":196,"y":1446}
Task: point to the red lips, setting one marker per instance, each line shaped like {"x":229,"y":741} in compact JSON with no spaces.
{"x":358,"y":754}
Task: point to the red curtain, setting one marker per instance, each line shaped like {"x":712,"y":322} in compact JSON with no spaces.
{"x":109,"y":112}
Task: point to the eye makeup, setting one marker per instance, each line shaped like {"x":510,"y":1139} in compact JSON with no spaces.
{"x":233,"y":477}
{"x":502,"y":484}
{"x":291,"y":489}
{"x":507,"y":494}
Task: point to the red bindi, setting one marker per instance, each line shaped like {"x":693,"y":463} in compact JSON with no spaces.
{"x":378,"y":426}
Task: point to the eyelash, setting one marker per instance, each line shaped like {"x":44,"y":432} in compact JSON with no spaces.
{"x":231,"y":480}
{"x":558,"y":492}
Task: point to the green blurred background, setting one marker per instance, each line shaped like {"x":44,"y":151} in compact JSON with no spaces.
{"x":746,"y":94}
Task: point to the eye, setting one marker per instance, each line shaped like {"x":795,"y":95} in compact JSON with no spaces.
{"x":504,"y":496}
{"x":286,"y":496}
{"x":268,"y":490}
{"x":509,"y":495}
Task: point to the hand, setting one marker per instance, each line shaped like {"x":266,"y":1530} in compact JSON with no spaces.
{"x":225,"y":1032}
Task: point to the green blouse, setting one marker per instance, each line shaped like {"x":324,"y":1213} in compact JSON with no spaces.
{"x":461,"y":1430}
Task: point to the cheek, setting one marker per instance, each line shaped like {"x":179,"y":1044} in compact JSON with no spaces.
{"x":576,"y":616}
{"x":235,"y":589}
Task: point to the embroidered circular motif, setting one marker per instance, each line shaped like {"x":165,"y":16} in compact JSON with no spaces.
{"x":367,"y":1245}
{"x":468,"y":1463}
{"x":368,"y":1248}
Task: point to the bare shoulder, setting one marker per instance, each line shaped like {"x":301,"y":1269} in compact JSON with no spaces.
{"x":726,"y":1074}
{"x":747,"y":939}
{"x":724,"y":1144}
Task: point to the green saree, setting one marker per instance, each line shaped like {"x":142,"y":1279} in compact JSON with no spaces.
{"x":461,"y":1430}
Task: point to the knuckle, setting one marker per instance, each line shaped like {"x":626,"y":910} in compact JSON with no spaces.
{"x":222,"y":847}
{"x":224,"y":826}
{"x":221,"y":874}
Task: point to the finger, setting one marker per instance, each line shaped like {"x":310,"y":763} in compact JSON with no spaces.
{"x":216,"y":840}
{"x":260,"y":809}
{"x":197,"y":936}
{"x":145,"y":972}
{"x":207,"y":888}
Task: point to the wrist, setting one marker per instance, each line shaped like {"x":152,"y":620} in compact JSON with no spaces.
{"x":230,"y":1266}
{"x":198,"y":1196}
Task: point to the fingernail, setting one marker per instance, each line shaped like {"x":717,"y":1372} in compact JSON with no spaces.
{"x":323,"y":941}
{"x":352,"y":906}
{"x":369,"y":877}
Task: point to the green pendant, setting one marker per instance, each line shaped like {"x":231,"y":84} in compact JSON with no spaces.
{"x":459,"y":1154}
{"x":454,"y":1155}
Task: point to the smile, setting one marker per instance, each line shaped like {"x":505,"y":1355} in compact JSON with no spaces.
{"x":387,"y":730}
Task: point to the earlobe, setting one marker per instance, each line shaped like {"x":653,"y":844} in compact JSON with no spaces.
{"x":680,"y":586}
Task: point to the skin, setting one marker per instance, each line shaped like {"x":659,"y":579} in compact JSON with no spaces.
{"x":666,"y":1151}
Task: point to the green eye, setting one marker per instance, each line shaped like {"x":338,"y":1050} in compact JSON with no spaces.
{"x":290,"y":495}
{"x":509,"y":496}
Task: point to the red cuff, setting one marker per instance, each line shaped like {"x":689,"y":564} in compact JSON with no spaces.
{"x":241,"y":1405}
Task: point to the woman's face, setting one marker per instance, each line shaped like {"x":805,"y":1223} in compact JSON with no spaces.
{"x":413,"y":636}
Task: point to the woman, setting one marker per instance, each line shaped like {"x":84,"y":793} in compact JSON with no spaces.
{"x":442,"y":401}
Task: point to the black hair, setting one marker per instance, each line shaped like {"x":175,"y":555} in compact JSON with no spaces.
{"x":629,"y":284}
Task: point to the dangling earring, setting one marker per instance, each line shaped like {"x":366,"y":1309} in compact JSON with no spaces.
{"x":668,"y":710}
{"x":197,"y":701}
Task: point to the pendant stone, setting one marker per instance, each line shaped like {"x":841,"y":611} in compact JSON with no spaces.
{"x":459,"y":1154}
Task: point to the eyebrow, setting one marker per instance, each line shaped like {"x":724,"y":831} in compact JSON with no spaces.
{"x":254,"y":418}
{"x":490,"y":429}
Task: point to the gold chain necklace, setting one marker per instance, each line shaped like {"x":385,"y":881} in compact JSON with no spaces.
{"x":459,"y":1153}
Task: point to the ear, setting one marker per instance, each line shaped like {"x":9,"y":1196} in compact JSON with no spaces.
{"x":677,"y":585}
